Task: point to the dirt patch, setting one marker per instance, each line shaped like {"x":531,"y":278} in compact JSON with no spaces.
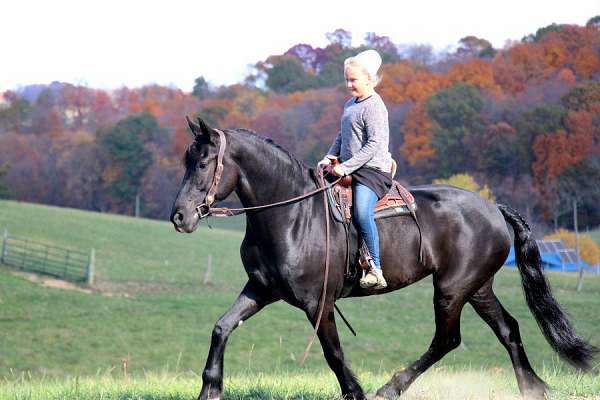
{"x":52,"y":282}
{"x":65,"y":285}
{"x":105,"y":288}
{"x":133,"y":288}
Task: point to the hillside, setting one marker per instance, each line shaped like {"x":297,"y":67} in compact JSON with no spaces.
{"x":151,"y":309}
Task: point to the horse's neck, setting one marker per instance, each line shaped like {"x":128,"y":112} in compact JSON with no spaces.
{"x":269,"y":175}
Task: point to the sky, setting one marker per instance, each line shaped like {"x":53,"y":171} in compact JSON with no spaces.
{"x":108,"y":44}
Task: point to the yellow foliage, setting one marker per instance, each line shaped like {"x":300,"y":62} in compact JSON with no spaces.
{"x":466,"y":181}
{"x":588,"y":248}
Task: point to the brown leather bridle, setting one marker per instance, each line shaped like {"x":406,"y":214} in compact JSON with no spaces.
{"x":204,"y":209}
{"x":210,"y":195}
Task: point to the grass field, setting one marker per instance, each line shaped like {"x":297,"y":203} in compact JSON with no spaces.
{"x":151,"y":311}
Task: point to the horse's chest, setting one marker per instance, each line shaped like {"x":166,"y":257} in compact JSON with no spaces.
{"x":275,"y":270}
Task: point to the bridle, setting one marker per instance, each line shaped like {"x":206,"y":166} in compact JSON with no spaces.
{"x":210,"y":195}
{"x":204,"y":210}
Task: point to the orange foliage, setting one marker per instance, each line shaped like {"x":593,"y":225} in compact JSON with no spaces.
{"x":567,"y":76}
{"x":477,"y":72}
{"x":587,"y":62}
{"x":403,"y":81}
{"x":417,"y":135}
{"x":555,"y":152}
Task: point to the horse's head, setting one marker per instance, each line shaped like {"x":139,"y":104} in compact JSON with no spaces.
{"x":201,"y":159}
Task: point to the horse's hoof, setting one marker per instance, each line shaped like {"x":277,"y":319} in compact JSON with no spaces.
{"x":386,"y":392}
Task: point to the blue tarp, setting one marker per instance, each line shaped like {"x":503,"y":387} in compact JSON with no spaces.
{"x":550,"y":261}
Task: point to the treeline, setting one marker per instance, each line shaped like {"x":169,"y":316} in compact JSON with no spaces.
{"x":523,"y":120}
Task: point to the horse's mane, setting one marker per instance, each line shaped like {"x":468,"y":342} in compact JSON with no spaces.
{"x":269,"y":143}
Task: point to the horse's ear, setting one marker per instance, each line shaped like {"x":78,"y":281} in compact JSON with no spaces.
{"x":194,"y":128}
{"x":204,"y":128}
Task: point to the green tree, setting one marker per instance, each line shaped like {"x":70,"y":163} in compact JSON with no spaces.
{"x":539,"y":34}
{"x":126,"y":156}
{"x":201,"y":88}
{"x":459,"y":125}
{"x":582,"y":97}
{"x":472,"y":46}
{"x":529,"y":125}
{"x":594,"y":22}
{"x":287,"y":75}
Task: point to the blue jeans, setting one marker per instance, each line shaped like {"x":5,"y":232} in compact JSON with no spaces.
{"x":364,"y":200}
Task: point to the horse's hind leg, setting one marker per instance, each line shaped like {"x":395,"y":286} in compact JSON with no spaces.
{"x":332,"y":349}
{"x":506,"y":328}
{"x":447,"y":337}
{"x":251,"y":300}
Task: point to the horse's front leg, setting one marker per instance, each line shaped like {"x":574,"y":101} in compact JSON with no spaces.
{"x":251,"y":300}
{"x":332,"y":349}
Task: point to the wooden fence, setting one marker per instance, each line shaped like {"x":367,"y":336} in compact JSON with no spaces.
{"x":28,"y":255}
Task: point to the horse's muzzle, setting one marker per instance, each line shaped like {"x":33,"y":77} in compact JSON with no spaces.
{"x":183,"y":224}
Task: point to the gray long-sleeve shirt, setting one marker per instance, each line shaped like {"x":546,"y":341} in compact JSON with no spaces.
{"x":364,"y":136}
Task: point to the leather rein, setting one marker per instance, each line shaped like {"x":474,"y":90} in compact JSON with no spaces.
{"x":205,"y":210}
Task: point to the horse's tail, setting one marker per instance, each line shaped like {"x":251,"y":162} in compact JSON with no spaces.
{"x":549,"y":315}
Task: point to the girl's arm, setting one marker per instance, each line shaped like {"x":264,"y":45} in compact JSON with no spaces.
{"x":334,"y":150}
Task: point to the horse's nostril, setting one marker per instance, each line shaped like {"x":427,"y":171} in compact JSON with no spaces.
{"x":178,"y":218}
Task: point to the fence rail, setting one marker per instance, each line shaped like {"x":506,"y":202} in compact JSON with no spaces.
{"x":29,"y":255}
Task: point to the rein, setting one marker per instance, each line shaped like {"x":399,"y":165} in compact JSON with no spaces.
{"x":205,"y":210}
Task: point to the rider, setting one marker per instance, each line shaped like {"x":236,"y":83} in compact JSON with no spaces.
{"x":363,"y":147}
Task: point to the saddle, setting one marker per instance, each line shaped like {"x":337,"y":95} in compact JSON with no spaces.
{"x":398,"y":201}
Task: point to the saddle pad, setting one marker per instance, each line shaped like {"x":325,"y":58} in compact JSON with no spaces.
{"x":392,"y":204}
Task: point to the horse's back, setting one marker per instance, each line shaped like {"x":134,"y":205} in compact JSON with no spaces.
{"x":458,"y":227}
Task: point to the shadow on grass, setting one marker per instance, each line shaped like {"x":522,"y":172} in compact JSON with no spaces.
{"x":257,"y":393}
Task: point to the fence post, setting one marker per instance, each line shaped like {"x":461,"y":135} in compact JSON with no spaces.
{"x":4,"y":246}
{"x":90,"y":268}
{"x":24,"y":254}
{"x":207,"y":273}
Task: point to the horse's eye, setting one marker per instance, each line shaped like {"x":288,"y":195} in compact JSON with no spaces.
{"x":201,"y":165}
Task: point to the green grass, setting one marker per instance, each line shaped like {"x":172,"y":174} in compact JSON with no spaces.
{"x":437,"y":384}
{"x":159,"y":317}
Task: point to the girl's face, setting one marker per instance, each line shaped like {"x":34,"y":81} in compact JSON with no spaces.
{"x":358,"y":82}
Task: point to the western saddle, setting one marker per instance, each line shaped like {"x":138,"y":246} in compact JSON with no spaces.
{"x":398,"y":201}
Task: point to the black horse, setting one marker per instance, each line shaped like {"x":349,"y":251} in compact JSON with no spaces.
{"x":465,"y":242}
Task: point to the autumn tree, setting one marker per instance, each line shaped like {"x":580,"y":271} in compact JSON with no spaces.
{"x":467,"y":182}
{"x":4,"y":193}
{"x":14,"y":117}
{"x":589,"y":250}
{"x":340,"y":37}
